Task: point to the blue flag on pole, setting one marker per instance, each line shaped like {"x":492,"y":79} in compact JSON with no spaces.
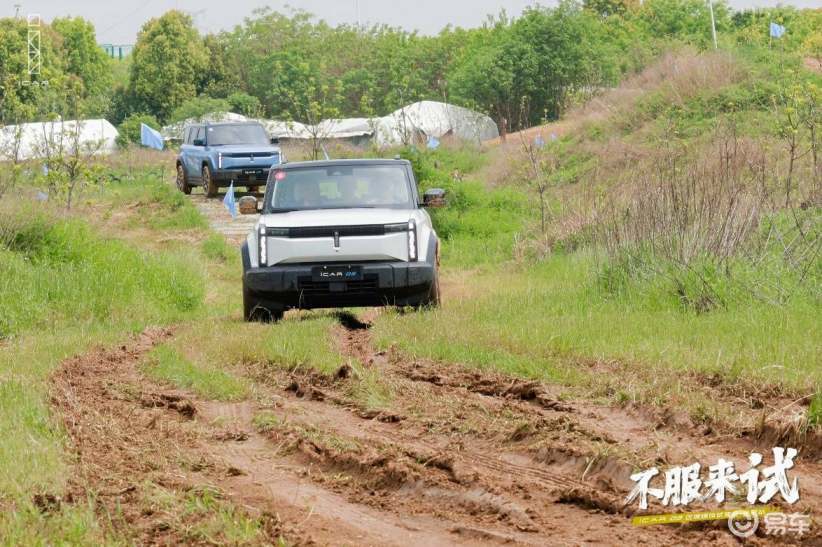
{"x":229,"y":202}
{"x":150,"y":137}
{"x":539,"y":142}
{"x":433,"y":142}
{"x":777,"y":30}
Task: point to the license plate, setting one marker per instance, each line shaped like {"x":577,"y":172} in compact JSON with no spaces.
{"x":255,"y":172}
{"x":336,"y":273}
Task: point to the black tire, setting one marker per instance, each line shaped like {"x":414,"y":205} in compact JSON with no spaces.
{"x":259,"y":311}
{"x":182,"y":180}
{"x":435,"y":296}
{"x":209,"y":186}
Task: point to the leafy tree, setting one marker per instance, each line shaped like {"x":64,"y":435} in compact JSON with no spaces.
{"x":221,"y":79}
{"x":82,"y":56}
{"x":313,"y":97}
{"x":608,"y":8}
{"x":129,"y":130}
{"x":245,"y":104}
{"x":24,"y":96}
{"x":685,"y":20}
{"x":496,"y":78}
{"x":752,"y":27}
{"x":168,"y":64}
{"x":199,"y":107}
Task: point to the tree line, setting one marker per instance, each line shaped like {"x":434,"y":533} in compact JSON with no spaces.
{"x":292,"y":66}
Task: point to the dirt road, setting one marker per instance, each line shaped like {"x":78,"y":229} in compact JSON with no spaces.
{"x":234,"y":229}
{"x":463,"y":457}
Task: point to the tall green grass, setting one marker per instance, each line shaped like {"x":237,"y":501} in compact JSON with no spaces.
{"x":54,"y":272}
{"x":479,"y":224}
{"x":161,"y":205}
{"x":64,"y":286}
{"x":543,"y":321}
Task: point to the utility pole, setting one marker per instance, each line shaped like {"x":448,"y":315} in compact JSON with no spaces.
{"x":357,"y":11}
{"x":713,"y":22}
{"x":17,"y":10}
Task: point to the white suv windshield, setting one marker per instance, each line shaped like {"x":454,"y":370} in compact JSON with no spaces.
{"x":340,"y":187}
{"x":236,"y":134}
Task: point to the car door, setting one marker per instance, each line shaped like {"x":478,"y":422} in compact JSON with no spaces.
{"x":185,"y":150}
{"x":195,"y":155}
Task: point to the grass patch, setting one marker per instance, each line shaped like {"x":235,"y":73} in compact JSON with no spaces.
{"x":159,"y":204}
{"x":212,"y":382}
{"x":266,"y":421}
{"x":62,"y":287}
{"x":543,"y":321}
{"x":216,"y":248}
{"x":58,"y":271}
{"x":327,"y":439}
{"x":203,"y":354}
{"x":370,"y":390}
{"x":302,"y":341}
{"x":202,"y":515}
{"x":815,"y":411}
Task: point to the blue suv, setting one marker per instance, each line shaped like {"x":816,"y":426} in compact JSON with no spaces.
{"x":216,"y":154}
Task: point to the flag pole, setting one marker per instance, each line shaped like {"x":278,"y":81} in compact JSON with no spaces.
{"x":713,"y":22}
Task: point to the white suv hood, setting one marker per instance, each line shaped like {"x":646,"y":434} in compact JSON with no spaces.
{"x":353,"y":248}
{"x":336,"y":217}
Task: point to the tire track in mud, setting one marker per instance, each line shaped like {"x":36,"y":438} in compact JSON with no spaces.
{"x":466,"y":459}
{"x":521,"y":493}
{"x":561,"y":462}
{"x":129,"y":435}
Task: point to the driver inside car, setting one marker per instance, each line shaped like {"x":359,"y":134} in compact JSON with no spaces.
{"x":307,"y":194}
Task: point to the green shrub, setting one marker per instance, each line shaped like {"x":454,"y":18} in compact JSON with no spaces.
{"x":815,"y":411}
{"x":199,"y":107}
{"x":130,"y":128}
{"x":478,"y":224}
{"x":245,"y":104}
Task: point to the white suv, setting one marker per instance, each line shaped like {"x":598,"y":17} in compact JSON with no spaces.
{"x":340,"y":233}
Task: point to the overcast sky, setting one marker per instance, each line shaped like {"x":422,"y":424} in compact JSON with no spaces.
{"x":117,"y":21}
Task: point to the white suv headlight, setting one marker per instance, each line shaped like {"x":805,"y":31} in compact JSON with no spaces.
{"x":412,"y":240}
{"x":261,"y":235}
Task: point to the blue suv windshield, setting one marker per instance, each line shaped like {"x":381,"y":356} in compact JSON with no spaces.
{"x":236,"y":134}
{"x":340,"y":187}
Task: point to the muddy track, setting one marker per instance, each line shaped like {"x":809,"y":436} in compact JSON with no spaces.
{"x":452,"y":457}
{"x":235,"y":230}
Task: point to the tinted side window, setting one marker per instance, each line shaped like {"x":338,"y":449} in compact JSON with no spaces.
{"x":187,"y":136}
